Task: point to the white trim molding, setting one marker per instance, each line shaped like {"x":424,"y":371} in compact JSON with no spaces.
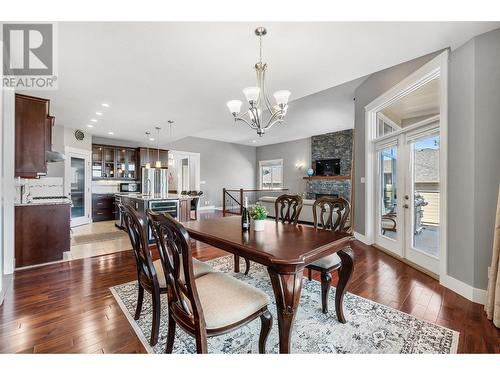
{"x":362,"y":238}
{"x":465,"y":290}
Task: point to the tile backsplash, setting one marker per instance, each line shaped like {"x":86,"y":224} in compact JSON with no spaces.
{"x":40,"y":187}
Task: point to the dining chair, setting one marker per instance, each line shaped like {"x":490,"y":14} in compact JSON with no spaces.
{"x":150,"y":275}
{"x":210,"y":305}
{"x":287,"y":209}
{"x":195,"y":198}
{"x":333,"y":215}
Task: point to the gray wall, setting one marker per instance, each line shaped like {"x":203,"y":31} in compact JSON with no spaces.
{"x":369,"y":90}
{"x":460,"y":138}
{"x":474,"y":157}
{"x":292,"y":153}
{"x":487,"y":149}
{"x":223,"y":165}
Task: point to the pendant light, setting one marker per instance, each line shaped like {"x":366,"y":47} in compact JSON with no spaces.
{"x":158,"y":161}
{"x":148,"y":163}
{"x":170,"y":156}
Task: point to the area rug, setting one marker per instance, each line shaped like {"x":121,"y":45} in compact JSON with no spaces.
{"x":98,"y":237}
{"x":370,"y":328}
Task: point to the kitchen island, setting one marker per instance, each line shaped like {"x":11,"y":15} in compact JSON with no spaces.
{"x":178,"y":206}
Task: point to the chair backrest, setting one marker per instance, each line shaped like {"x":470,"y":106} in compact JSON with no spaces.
{"x":328,"y":207}
{"x":175,"y":252}
{"x":138,"y":238}
{"x":292,"y":204}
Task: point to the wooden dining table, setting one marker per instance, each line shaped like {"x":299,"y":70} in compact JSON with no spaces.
{"x":285,"y":250}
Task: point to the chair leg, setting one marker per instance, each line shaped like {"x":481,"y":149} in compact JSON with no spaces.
{"x":140,"y":298}
{"x":247,"y":266}
{"x":309,"y":274}
{"x":201,"y":343}
{"x":155,"y":328}
{"x":170,"y":334}
{"x":326,"y":280}
{"x":266,"y":320}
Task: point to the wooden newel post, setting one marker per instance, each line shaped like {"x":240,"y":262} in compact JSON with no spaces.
{"x":223,"y":201}
{"x":241,"y":201}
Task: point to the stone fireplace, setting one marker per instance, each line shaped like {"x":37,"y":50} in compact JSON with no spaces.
{"x":336,"y":145}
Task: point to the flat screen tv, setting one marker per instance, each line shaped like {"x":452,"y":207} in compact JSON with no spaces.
{"x":328,"y":167}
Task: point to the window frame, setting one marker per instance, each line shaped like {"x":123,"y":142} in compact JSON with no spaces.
{"x":274,"y":163}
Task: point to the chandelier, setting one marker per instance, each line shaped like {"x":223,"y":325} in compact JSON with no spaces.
{"x":261,"y":114}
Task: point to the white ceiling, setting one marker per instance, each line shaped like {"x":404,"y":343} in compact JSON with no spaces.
{"x":152,"y":72}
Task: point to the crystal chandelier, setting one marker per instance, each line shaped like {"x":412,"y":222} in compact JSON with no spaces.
{"x":259,"y":104}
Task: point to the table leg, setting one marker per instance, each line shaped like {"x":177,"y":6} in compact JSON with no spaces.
{"x":236,"y":263}
{"x":287,"y":289}
{"x":345,"y":272}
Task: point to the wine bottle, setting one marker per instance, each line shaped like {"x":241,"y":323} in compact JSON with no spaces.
{"x":245,"y":217}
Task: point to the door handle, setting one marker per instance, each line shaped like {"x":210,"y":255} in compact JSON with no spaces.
{"x":407,"y":196}
{"x":406,"y":206}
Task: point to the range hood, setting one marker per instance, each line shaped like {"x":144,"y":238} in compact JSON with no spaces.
{"x":54,"y":156}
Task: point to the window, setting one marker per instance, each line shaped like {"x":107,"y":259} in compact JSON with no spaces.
{"x":271,"y":174}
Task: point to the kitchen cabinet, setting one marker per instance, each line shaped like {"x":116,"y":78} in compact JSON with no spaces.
{"x":153,"y":156}
{"x":33,"y":135}
{"x":114,"y":163}
{"x":31,"y":247}
{"x":103,"y":207}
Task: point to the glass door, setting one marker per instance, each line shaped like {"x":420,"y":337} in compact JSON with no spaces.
{"x":77,"y":178}
{"x":389,"y":222}
{"x":422,"y":201}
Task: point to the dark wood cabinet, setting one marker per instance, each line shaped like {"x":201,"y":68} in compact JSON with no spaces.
{"x":153,"y":156}
{"x":103,"y":207}
{"x":114,"y":163}
{"x":39,"y":240}
{"x":33,"y":136}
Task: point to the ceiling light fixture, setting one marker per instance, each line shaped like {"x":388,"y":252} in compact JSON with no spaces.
{"x":93,"y":120}
{"x":98,"y":113}
{"x":170,"y":156}
{"x":105,"y":105}
{"x":111,"y":133}
{"x":158,"y":161}
{"x":90,"y":125}
{"x":258,"y":100}
{"x":148,"y":163}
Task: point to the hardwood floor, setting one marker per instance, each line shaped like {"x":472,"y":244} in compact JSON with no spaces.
{"x":68,"y":308}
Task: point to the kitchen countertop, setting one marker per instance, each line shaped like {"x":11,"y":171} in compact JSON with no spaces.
{"x":43,"y":202}
{"x":148,"y":198}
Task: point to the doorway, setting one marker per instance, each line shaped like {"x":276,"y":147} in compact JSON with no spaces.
{"x":77,"y":180}
{"x":406,"y":179}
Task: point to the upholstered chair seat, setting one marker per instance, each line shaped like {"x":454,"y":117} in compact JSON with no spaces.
{"x":226,"y":300}
{"x":329,"y":261}
{"x":199,"y":269}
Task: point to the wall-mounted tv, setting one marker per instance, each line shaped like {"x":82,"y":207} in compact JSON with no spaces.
{"x":328,"y":167}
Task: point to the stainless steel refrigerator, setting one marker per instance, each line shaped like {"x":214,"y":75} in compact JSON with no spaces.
{"x":154,"y":181}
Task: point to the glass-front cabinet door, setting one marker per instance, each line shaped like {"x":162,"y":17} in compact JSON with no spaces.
{"x":121,"y":163}
{"x":131,"y":164}
{"x":97,"y":161}
{"x":109,"y":162}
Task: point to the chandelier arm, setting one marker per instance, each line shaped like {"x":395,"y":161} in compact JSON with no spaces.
{"x":246,"y":122}
{"x":274,"y":119}
{"x":264,"y":93}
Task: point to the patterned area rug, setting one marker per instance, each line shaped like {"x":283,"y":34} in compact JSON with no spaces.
{"x":370,"y":327}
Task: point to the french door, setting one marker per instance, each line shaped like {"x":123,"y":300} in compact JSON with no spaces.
{"x":77,"y":185}
{"x":408,"y":196}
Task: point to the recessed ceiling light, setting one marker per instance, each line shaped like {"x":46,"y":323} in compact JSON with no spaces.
{"x":90,"y":125}
{"x":98,"y":113}
{"x":111,"y":133}
{"x":151,"y":139}
{"x":93,"y":120}
{"x":253,"y":141}
{"x":105,"y":105}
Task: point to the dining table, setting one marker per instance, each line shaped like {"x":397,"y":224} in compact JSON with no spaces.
{"x":285,"y":250}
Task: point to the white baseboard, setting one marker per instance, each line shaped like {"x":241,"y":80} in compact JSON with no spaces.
{"x":206,"y":208}
{"x":465,"y":290}
{"x":361,"y":237}
{"x":6,"y":285}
